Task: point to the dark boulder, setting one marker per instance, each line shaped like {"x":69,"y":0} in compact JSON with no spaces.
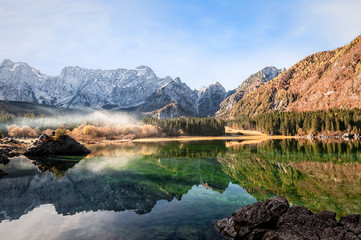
{"x":2,"y":174}
{"x":4,"y":159}
{"x":50,"y":146}
{"x":253,"y":221}
{"x":299,"y":222}
{"x":350,"y":226}
{"x":274,"y":219}
{"x":9,"y":151}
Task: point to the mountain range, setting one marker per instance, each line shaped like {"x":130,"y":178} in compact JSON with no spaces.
{"x":127,"y":89}
{"x":137,"y":90}
{"x":330,"y":79}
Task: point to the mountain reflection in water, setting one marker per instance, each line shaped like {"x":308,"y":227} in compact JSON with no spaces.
{"x":172,"y":190}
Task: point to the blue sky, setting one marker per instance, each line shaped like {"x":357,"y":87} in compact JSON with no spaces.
{"x":200,"y":41}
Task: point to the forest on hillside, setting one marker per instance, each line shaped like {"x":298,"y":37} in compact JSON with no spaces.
{"x":189,"y":126}
{"x":301,"y":123}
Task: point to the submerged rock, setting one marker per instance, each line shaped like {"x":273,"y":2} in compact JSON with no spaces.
{"x":9,"y":151}
{"x":49,"y":146}
{"x":2,"y":174}
{"x":274,"y":219}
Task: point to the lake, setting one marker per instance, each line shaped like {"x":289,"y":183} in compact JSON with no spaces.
{"x":171,"y":190}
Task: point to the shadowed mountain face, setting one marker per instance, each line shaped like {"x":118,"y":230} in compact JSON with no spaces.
{"x":330,"y":79}
{"x":175,"y":99}
{"x":209,"y":99}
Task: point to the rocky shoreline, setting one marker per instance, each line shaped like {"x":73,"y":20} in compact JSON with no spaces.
{"x":10,"y":148}
{"x":275,"y":219}
{"x":44,"y":146}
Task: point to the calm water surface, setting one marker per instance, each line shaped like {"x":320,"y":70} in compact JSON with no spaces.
{"x":171,"y":190}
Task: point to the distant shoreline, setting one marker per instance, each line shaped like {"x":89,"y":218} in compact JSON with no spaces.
{"x":211,"y":138}
{"x":245,"y":135}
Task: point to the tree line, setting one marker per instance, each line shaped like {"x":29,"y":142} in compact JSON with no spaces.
{"x":189,"y":126}
{"x":301,"y":123}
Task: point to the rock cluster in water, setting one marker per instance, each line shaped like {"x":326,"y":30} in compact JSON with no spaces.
{"x":9,"y":148}
{"x":2,"y":174}
{"x":49,"y":146}
{"x":274,"y":219}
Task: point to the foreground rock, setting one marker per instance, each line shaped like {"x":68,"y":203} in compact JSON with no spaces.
{"x":274,"y":219}
{"x":3,"y":159}
{"x":49,"y":146}
{"x":2,"y":174}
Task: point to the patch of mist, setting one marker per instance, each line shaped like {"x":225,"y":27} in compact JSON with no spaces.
{"x":72,"y":120}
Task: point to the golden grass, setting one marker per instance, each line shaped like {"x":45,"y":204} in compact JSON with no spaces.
{"x":247,"y":135}
{"x":244,"y":132}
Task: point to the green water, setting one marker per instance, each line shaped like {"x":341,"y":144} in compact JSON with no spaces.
{"x":171,"y":190}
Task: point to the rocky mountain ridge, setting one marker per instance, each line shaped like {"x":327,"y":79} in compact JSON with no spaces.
{"x":176,"y":99}
{"x":77,"y":88}
{"x":251,"y":83}
{"x":324,"y":80}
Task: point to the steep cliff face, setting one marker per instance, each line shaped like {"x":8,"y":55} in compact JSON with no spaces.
{"x":20,"y":82}
{"x":209,"y":99}
{"x":172,"y":92}
{"x":251,"y":83}
{"x":172,"y":110}
{"x":330,"y":79}
{"x":176,"y":99}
